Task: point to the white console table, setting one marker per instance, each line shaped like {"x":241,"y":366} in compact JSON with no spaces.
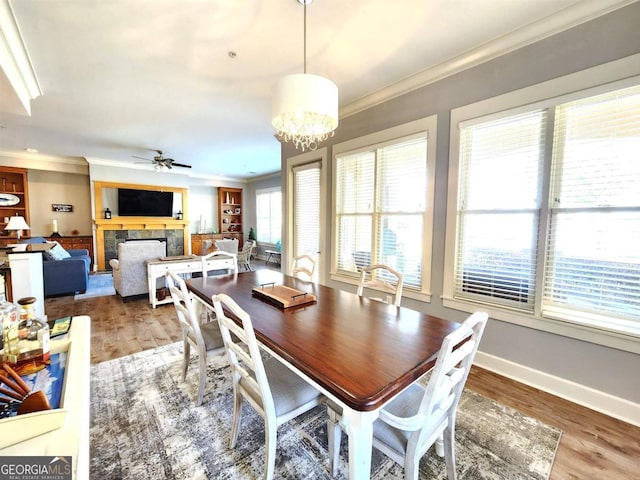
{"x":72,"y":438}
{"x":191,"y":264}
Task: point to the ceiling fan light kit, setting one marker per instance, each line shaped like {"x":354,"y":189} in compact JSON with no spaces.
{"x":305,"y":106}
{"x":162,"y":164}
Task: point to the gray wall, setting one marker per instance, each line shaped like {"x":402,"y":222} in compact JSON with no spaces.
{"x":610,"y":37}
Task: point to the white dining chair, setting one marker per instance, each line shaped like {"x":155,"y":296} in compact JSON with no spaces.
{"x":274,"y":391}
{"x":205,"y":338}
{"x":218,"y":253}
{"x":303,"y":267}
{"x":422,"y":416}
{"x":376,"y":279}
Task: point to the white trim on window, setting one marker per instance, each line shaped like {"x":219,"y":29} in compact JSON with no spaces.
{"x":261,"y":222}
{"x":603,"y":78}
{"x":320,"y":155}
{"x":425,"y":127}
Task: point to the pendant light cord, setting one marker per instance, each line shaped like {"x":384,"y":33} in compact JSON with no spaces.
{"x":305,"y":37}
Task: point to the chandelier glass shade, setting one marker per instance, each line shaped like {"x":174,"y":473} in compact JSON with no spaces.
{"x":304,"y":106}
{"x":305,"y":109}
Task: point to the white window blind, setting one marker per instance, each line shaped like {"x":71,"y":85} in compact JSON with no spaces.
{"x":562,"y":244}
{"x":594,"y":237}
{"x":307,"y":209}
{"x":380,"y":206}
{"x":499,"y":208}
{"x":269,"y":215}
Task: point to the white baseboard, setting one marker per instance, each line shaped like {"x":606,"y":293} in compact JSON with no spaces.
{"x":599,"y":401}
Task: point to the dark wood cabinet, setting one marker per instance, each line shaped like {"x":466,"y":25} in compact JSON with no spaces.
{"x":198,"y":238}
{"x":76,"y":242}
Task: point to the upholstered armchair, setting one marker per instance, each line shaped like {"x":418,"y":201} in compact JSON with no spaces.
{"x":227,"y":245}
{"x":130,"y":269}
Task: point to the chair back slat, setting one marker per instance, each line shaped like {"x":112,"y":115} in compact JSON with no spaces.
{"x":187,"y":311}
{"x":303,"y":267}
{"x":219,"y":253}
{"x":449,"y":375}
{"x":382,"y":279}
{"x":243,"y":350}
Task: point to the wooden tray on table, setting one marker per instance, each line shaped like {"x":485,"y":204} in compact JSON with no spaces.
{"x":282,"y":296}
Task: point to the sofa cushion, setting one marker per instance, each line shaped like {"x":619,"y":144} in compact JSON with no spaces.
{"x":57,"y":252}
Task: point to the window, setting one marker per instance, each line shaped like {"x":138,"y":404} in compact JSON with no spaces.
{"x":306,"y":209}
{"x":548,"y":211}
{"x":269,"y":215}
{"x":499,"y":208}
{"x":384,"y":208}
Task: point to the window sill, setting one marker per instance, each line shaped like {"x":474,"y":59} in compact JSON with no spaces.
{"x":628,"y":342}
{"x":407,"y":292}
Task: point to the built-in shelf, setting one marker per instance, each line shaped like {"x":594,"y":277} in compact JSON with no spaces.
{"x":230,"y":210}
{"x":13,"y":183}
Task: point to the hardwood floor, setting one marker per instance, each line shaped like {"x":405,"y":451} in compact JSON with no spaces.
{"x":593,"y":446}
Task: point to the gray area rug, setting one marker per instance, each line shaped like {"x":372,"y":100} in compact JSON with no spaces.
{"x":100,"y":285}
{"x":144,"y":424}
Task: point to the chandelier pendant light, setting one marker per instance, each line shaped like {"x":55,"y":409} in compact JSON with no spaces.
{"x":305,"y":106}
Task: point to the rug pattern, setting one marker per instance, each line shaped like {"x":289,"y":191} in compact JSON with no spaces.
{"x":100,"y":285}
{"x":144,"y":424}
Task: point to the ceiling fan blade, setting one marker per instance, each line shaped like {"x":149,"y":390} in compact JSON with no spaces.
{"x":142,"y":158}
{"x":181,"y":165}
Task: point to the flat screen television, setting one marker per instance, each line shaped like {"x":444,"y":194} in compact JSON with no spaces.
{"x":144,"y":203}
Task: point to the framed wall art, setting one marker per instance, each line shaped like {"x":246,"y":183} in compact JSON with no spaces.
{"x":61,"y":207}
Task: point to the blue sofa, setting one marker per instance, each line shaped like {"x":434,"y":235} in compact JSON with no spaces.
{"x":66,"y":276}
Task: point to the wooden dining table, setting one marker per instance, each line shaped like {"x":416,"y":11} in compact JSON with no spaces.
{"x":359,"y":352}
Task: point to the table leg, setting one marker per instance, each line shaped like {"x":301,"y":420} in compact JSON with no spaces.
{"x":359,"y":427}
{"x":152,"y":289}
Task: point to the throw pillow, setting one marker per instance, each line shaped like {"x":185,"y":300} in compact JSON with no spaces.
{"x":57,"y":252}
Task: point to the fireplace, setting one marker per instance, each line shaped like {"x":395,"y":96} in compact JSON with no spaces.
{"x":173,"y":239}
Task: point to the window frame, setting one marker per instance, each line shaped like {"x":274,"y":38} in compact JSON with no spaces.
{"x":593,"y":81}
{"x":424,"y":126}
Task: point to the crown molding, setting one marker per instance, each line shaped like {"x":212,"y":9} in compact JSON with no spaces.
{"x":40,"y":161}
{"x":18,"y":82}
{"x":572,"y":16}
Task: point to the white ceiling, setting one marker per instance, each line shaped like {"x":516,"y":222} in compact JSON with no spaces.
{"x":120,"y":78}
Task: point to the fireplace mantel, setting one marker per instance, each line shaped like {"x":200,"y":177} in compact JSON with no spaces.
{"x":134,"y":223}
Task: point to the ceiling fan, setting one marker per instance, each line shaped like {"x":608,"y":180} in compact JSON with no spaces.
{"x":160,"y":163}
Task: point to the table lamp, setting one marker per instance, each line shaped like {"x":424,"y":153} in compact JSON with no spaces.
{"x":18,"y":224}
